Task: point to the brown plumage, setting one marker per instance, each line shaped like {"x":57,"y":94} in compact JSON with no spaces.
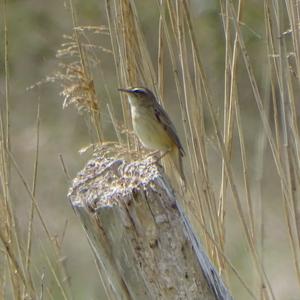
{"x":153,"y":126}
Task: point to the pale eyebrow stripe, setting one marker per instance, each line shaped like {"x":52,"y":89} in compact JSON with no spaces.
{"x":138,"y":90}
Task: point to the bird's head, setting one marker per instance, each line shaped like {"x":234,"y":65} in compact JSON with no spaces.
{"x":139,"y":95}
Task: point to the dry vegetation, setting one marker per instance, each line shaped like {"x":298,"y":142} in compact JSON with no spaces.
{"x":230,"y":159}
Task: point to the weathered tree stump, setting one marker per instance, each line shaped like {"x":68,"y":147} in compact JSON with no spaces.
{"x":143,"y":243}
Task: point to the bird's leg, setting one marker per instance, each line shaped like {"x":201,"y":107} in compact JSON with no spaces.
{"x":157,"y":159}
{"x":164,"y":154}
{"x":153,"y":153}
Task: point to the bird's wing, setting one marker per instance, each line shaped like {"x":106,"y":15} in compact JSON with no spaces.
{"x":164,"y":119}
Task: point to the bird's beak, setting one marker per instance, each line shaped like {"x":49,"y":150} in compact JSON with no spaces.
{"x":125,"y":90}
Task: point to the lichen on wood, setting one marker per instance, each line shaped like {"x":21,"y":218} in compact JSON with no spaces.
{"x":143,"y":243}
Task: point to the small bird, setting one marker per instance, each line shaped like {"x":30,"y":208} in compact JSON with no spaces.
{"x":153,"y":126}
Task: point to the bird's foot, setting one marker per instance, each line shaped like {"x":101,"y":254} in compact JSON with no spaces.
{"x":157,"y":155}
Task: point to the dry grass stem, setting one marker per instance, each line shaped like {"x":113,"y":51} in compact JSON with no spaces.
{"x":234,"y":101}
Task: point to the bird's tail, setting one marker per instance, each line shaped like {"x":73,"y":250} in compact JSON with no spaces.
{"x":174,"y":161}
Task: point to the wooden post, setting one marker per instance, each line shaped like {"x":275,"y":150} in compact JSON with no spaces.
{"x":143,"y":243}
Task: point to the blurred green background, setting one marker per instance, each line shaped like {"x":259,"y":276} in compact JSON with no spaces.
{"x":35,"y":33}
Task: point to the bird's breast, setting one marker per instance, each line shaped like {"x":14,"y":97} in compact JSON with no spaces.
{"x":149,"y":130}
